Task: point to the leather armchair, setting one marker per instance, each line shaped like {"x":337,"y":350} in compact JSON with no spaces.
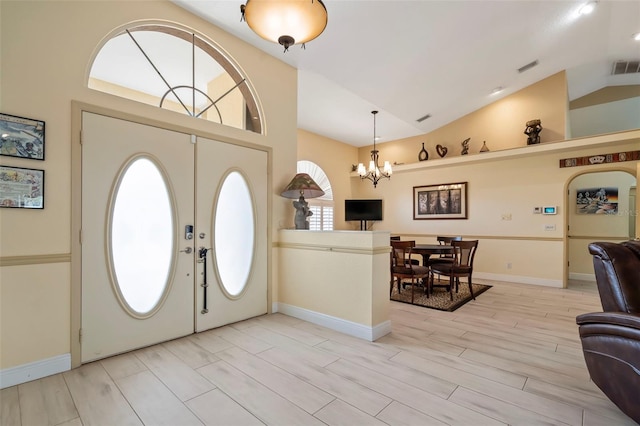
{"x":611,"y":339}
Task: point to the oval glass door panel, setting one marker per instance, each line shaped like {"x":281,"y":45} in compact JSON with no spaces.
{"x":141,"y":236}
{"x":234,"y":228}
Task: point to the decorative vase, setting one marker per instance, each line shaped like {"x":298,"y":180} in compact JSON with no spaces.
{"x":423,"y":155}
{"x":484,"y":147}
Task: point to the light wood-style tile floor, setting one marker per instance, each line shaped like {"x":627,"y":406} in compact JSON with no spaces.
{"x":513,"y":357}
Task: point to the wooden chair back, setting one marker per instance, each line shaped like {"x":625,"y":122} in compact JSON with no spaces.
{"x":464,"y":252}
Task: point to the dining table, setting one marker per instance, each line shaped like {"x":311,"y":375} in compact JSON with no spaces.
{"x":426,"y":250}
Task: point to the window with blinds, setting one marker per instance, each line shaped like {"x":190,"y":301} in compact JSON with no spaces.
{"x":322,"y":218}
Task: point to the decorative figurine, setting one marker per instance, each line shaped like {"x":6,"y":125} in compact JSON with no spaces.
{"x":465,"y":146}
{"x":423,"y":155}
{"x":441,"y":150}
{"x":534,"y":127}
{"x":302,"y":212}
{"x":484,"y":147}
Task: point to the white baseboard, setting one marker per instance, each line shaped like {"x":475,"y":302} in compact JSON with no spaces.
{"x":338,"y":324}
{"x":582,"y":277}
{"x":518,"y":279}
{"x":34,"y":370}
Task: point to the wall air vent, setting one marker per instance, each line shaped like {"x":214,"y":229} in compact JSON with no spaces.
{"x":625,"y":67}
{"x":528,"y":66}
{"x":421,"y":119}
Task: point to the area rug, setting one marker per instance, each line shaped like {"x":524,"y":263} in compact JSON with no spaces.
{"x":439,"y":299}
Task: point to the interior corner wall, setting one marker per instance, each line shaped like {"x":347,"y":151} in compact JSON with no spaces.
{"x":501,"y":124}
{"x":336,"y":159}
{"x":47,"y":48}
{"x":609,"y":117}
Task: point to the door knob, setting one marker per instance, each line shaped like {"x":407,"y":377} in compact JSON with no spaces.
{"x":187,"y":250}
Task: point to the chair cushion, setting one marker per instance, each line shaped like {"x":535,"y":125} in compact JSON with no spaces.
{"x":448,"y":268}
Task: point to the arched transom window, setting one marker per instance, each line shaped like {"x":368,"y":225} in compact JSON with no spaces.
{"x":175,"y":69}
{"x":322,"y":207}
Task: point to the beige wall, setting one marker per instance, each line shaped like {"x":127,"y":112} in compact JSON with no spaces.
{"x":47,"y":49}
{"x":342,"y":274}
{"x":509,"y":184}
{"x":501,"y":124}
{"x":336,"y":159}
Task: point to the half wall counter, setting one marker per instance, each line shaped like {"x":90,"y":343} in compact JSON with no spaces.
{"x":337,"y":279}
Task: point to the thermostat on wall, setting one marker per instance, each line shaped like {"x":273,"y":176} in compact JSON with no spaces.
{"x":550,"y":210}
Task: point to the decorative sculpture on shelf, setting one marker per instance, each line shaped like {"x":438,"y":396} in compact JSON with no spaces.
{"x":441,"y":150}
{"x":484,"y":147}
{"x":534,"y":127}
{"x":465,"y":146}
{"x":302,"y":213}
{"x":423,"y":155}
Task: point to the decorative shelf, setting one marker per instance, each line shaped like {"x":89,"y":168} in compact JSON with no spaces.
{"x":528,"y":151}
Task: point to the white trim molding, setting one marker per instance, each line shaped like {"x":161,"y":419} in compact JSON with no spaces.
{"x":518,"y":279}
{"x":582,"y":277}
{"x":338,"y":324}
{"x":34,"y":370}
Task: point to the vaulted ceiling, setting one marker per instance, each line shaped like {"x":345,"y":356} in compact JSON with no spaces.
{"x":408,"y":59}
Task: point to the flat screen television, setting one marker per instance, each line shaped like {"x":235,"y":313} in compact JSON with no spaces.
{"x":362,"y":210}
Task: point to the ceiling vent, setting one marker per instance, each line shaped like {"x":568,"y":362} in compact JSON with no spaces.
{"x":625,"y":67}
{"x":528,"y":66}
{"x":421,"y":119}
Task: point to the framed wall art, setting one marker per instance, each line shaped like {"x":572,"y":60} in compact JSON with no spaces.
{"x":597,"y":201}
{"x":21,"y":188}
{"x":21,"y":137}
{"x":446,"y":201}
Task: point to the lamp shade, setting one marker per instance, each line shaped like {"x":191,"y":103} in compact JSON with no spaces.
{"x":287,"y":22}
{"x":302,"y":184}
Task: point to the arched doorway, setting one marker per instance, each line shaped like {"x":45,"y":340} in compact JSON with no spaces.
{"x":600,"y":207}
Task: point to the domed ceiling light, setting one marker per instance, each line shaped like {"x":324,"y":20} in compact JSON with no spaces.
{"x":287,"y":22}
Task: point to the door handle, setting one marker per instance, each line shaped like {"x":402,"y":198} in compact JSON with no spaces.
{"x":188,"y":250}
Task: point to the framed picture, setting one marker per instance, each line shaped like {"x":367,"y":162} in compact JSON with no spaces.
{"x":597,"y":201}
{"x":21,"y":188}
{"x":447,"y":201}
{"x":21,"y":137}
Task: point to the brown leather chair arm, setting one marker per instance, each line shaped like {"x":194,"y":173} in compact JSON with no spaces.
{"x":610,"y":318}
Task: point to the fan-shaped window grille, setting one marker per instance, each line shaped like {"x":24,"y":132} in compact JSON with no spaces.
{"x":175,"y":69}
{"x":322,"y":207}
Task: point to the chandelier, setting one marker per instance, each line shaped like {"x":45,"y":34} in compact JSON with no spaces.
{"x":374,"y":174}
{"x":287,"y":22}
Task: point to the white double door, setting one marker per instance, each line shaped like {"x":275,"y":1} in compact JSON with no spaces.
{"x":160,"y":252}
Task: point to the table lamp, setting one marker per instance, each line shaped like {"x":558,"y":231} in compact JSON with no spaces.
{"x":302,"y":186}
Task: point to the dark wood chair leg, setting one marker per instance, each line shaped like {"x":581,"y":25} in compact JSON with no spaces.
{"x":451,"y":287}
{"x":471,"y":288}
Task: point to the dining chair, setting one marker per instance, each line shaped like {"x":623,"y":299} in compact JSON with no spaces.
{"x":444,"y":257}
{"x":462,"y":265}
{"x":402,"y":267}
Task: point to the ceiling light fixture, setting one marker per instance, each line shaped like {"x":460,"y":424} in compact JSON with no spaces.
{"x":287,"y":22}
{"x":497,"y":90}
{"x":374,"y":174}
{"x":587,"y":8}
{"x":636,"y":36}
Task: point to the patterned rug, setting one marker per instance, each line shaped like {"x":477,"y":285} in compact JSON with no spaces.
{"x":440,"y":298}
